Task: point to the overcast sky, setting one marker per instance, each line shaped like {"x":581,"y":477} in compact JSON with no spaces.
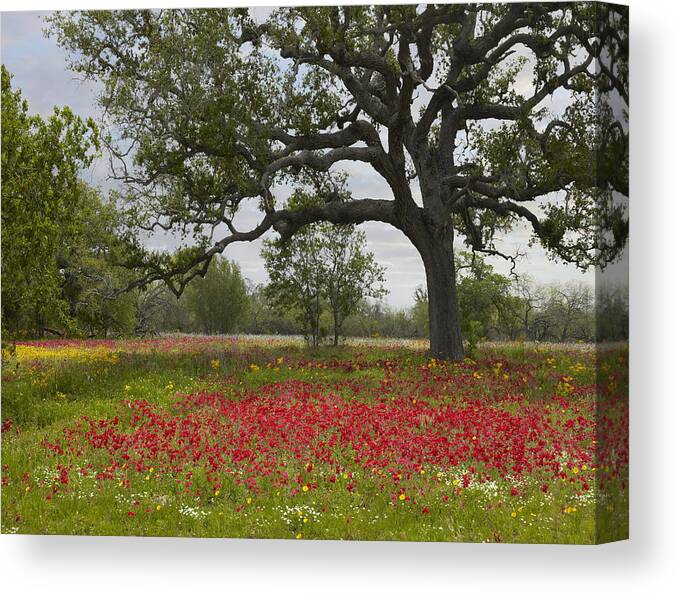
{"x":39,"y":69}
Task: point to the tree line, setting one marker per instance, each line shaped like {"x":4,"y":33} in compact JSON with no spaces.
{"x":494,"y":307}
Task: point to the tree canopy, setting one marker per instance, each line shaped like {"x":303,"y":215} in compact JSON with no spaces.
{"x":452,"y":105}
{"x":218,"y":301}
{"x":321,"y":265}
{"x":42,"y":200}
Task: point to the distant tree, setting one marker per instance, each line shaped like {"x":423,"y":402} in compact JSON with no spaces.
{"x":352,"y":273}
{"x":41,"y":198}
{"x":296,"y":278}
{"x":565,"y":313}
{"x":150,"y":309}
{"x":322,"y":264}
{"x":420,"y":311}
{"x":264,"y":318}
{"x":218,"y":302}
{"x":90,"y":278}
{"x":376,"y":318}
{"x":486,"y":299}
{"x":396,"y":323}
{"x":612,"y":313}
{"x":531,"y":298}
{"x":160,"y":310}
{"x":367,"y":319}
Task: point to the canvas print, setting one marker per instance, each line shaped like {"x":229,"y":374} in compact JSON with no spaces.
{"x":329,"y":272}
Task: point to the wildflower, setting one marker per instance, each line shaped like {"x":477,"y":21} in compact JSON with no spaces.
{"x":401,"y":497}
{"x":298,"y":535}
{"x":215,"y":363}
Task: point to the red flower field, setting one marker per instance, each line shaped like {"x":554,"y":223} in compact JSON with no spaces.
{"x":367,"y":442}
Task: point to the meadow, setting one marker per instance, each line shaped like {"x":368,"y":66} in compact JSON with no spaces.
{"x":264,"y":438}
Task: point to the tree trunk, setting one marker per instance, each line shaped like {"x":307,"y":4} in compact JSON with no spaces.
{"x":437,"y":252}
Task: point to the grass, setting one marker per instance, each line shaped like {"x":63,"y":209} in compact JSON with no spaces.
{"x":262,"y":438}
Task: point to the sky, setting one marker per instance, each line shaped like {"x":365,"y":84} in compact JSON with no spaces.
{"x":40,"y":70}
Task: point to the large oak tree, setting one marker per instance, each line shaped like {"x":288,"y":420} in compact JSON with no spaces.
{"x":454,"y":106}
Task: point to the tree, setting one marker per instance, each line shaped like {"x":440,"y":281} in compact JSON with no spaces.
{"x":264,"y":318}
{"x":420,"y":311}
{"x":612,"y":312}
{"x":532,"y":297}
{"x":351,"y":273}
{"x":218,"y":302}
{"x":375,"y":318}
{"x":486,"y":299}
{"x":90,"y":279}
{"x":222,"y":110}
{"x":296,"y":278}
{"x":41,"y":199}
{"x":568,"y":312}
{"x":322,"y":264}
{"x":159,"y":310}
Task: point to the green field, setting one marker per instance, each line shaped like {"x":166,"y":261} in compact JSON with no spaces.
{"x":264,"y":438}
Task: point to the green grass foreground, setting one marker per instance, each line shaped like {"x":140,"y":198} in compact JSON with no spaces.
{"x":226,"y":437}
